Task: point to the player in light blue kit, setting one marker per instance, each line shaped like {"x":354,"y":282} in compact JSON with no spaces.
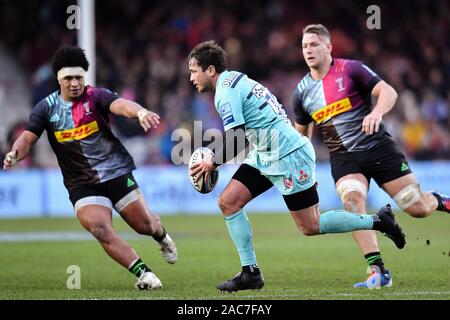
{"x":281,"y":156}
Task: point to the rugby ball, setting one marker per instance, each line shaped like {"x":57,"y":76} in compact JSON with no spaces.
{"x":202,"y":185}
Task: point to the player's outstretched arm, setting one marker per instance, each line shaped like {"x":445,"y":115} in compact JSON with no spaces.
{"x":131,"y":109}
{"x":20,"y":149}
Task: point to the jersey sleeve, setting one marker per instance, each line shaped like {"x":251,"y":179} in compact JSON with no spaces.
{"x":301,"y":116}
{"x":364,"y":77}
{"x":104,"y":98}
{"x":38,"y":119}
{"x":230,"y":107}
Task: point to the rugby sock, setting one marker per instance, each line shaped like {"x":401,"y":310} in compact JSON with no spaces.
{"x":241,"y":234}
{"x":138,"y":267}
{"x":338,"y":221}
{"x":161,"y":237}
{"x":374,"y":258}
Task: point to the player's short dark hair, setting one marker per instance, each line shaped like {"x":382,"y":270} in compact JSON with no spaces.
{"x":318,"y":29}
{"x":209,"y":53}
{"x":69,"y":56}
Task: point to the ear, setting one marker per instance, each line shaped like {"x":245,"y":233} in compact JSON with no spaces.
{"x":211,"y":71}
{"x":329,"y":47}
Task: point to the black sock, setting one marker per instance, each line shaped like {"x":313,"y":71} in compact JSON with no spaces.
{"x":253,"y":269}
{"x":139,"y":268}
{"x":161,"y":237}
{"x":374,"y":259}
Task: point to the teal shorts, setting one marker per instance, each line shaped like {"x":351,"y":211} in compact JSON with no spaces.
{"x":295,"y":172}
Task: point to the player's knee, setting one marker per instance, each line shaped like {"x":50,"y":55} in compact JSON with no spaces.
{"x":309,"y":229}
{"x":419,"y":210}
{"x":411,"y":200}
{"x":102,"y":233}
{"x":354,"y":202}
{"x":226,"y":205}
{"x":353,"y":194}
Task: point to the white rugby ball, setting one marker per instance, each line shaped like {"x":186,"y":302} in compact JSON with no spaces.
{"x":202,"y":185}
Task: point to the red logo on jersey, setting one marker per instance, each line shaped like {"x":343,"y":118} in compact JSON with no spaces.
{"x":288,"y":182}
{"x":331,"y":110}
{"x":77,"y":133}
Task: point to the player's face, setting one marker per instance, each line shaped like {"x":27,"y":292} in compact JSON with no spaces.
{"x":71,"y":86}
{"x":200,"y":78}
{"x":315,"y":49}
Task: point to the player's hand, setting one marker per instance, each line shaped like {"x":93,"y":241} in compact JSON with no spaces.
{"x":11,"y":159}
{"x":199,"y":169}
{"x":371,"y":123}
{"x":148,"y":119}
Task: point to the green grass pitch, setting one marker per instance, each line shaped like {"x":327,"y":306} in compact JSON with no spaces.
{"x":294,"y":266}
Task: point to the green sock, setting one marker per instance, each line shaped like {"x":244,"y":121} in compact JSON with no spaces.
{"x":374,"y":259}
{"x":138,"y":268}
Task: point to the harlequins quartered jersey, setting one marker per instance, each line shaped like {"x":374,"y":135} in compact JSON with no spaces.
{"x":80,"y":135}
{"x":338,"y":104}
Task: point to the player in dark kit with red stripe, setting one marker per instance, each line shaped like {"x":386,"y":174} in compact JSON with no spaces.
{"x":96,"y":167}
{"x":336,"y":95}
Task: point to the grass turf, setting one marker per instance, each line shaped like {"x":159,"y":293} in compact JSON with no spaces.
{"x":294,"y":266}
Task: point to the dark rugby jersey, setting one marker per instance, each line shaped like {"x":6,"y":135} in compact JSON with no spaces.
{"x":338,"y":104}
{"x":80,"y":135}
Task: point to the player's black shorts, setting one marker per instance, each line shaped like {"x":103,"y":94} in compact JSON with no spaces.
{"x":114,"y":189}
{"x":383,"y":163}
{"x":257,"y":184}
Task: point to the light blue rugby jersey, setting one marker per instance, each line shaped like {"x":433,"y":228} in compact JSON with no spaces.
{"x":240,"y":100}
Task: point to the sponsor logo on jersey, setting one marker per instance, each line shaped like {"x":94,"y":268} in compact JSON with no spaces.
{"x":77,"y":133}
{"x":229,"y":80}
{"x":288,"y":182}
{"x":226,"y":113}
{"x":331,"y":110}
{"x":303,"y":177}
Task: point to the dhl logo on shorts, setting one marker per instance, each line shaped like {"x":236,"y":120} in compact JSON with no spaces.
{"x":77,"y":133}
{"x":331,"y":110}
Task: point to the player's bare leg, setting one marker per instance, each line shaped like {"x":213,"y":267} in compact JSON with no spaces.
{"x":139,"y":217}
{"x":406,"y":192}
{"x":97,"y":220}
{"x":311,"y":222}
{"x":354,"y":200}
{"x":231,"y":202}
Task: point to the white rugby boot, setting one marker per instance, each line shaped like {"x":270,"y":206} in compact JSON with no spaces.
{"x":168,"y":249}
{"x":148,"y":281}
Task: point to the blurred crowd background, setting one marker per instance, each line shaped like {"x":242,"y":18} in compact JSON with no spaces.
{"x":142,"y":48}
